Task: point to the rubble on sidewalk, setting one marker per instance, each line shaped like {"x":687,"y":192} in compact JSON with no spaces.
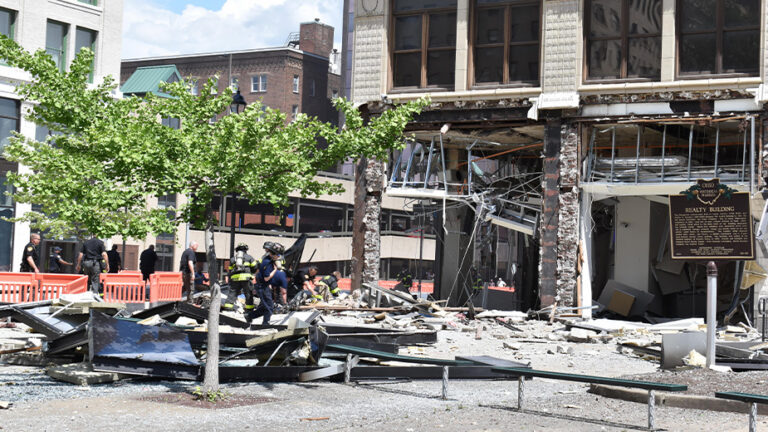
{"x":377,"y":333}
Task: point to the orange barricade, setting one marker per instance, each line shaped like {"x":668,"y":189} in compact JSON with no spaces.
{"x":123,"y":288}
{"x":17,"y":287}
{"x":164,"y":286}
{"x":53,"y":285}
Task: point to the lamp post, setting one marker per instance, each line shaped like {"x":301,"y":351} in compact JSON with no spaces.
{"x":234,"y":107}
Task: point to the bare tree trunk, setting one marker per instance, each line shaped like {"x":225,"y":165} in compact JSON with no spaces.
{"x":211,"y":381}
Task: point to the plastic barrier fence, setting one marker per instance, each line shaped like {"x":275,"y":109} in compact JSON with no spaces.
{"x":164,"y":286}
{"x":53,"y":285}
{"x":123,"y":288}
{"x":17,"y":287}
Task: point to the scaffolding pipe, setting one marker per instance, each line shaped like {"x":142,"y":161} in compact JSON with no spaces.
{"x":445,"y":173}
{"x":637,"y":153}
{"x":429,"y":162}
{"x":591,"y":154}
{"x":396,"y":167}
{"x":613,"y":149}
{"x":717,"y":147}
{"x":663,"y":150}
{"x":752,"y":156}
{"x":744,"y":157}
{"x":408,"y":167}
{"x":690,"y":151}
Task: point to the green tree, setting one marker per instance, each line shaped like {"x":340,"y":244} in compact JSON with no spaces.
{"x":113,"y":154}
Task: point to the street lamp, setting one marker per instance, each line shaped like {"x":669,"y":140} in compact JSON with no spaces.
{"x":234,"y":107}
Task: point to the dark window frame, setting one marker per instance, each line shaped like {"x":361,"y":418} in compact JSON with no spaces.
{"x":506,"y":44}
{"x":423,"y":50}
{"x":624,"y":37}
{"x":718,"y":32}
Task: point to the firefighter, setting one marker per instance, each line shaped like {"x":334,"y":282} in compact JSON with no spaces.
{"x":328,"y":286}
{"x":241,"y":270}
{"x":303,"y":283}
{"x":268,"y":276}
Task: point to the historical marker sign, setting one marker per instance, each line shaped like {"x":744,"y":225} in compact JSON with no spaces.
{"x":711,"y":221}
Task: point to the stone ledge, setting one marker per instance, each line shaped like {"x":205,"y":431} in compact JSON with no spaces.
{"x":675,"y":400}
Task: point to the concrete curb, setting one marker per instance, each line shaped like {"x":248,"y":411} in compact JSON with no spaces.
{"x":675,"y":400}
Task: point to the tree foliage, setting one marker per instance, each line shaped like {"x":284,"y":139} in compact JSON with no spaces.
{"x":108,"y":156}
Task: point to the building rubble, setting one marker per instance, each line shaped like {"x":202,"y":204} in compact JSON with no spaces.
{"x":377,"y":334}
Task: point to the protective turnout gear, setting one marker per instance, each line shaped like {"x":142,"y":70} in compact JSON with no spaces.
{"x":241,"y":269}
{"x":327,"y":286}
{"x":275,"y":248}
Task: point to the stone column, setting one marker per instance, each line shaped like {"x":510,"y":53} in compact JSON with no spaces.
{"x":548,"y":224}
{"x":568,"y":217}
{"x":366,"y":239}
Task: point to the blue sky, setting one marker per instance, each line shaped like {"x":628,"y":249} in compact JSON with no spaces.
{"x":169,"y":27}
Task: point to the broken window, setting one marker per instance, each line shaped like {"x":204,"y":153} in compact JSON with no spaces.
{"x":623,"y":39}
{"x":506,"y":42}
{"x":718,"y":36}
{"x":672,"y":151}
{"x":424,"y":48}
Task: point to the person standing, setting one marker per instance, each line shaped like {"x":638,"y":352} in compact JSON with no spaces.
{"x":241,"y":270}
{"x":56,"y":261}
{"x":187,"y":269}
{"x":92,"y":254}
{"x":30,"y":259}
{"x":147,"y":261}
{"x":115,"y":263}
{"x":267,"y":277}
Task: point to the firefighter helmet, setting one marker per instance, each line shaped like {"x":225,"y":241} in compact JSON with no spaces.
{"x":275,"y":248}
{"x":241,"y":246}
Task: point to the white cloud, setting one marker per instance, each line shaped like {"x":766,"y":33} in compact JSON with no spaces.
{"x":150,"y":29}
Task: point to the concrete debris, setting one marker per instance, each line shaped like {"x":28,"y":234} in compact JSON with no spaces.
{"x":81,"y":374}
{"x":564,"y":350}
{"x":695,"y":359}
{"x":5,"y":404}
{"x":514,"y":346}
{"x":581,"y":335}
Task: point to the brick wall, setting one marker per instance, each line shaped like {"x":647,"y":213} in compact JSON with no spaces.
{"x":279,"y":65}
{"x":316,"y":38}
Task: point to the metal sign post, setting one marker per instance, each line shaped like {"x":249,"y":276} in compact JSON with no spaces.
{"x":711,"y":311}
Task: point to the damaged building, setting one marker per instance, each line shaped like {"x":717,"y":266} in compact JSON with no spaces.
{"x":556,"y":131}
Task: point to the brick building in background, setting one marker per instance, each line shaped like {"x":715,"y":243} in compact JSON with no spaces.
{"x":301,"y":76}
{"x":296,"y":78}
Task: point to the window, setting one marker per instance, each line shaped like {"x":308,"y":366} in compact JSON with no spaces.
{"x":215,"y":88}
{"x":718,"y":36}
{"x":334,"y":94}
{"x":623,"y":39}
{"x":193,"y":89}
{"x":233,"y":83}
{"x":295,"y":83}
{"x":6,"y":228}
{"x":424,"y":43}
{"x":172,"y":123}
{"x":265,"y":217}
{"x":9,"y":120}
{"x":321,"y":218}
{"x":506,"y":42}
{"x":312,"y":88}
{"x":259,"y":83}
{"x":85,"y":38}
{"x":56,"y":43}
{"x":7,"y":22}
{"x":294,"y":112}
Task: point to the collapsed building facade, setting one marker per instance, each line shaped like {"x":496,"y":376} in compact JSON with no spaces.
{"x":557,"y":130}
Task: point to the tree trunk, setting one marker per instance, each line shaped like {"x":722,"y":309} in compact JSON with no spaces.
{"x":211,"y":381}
